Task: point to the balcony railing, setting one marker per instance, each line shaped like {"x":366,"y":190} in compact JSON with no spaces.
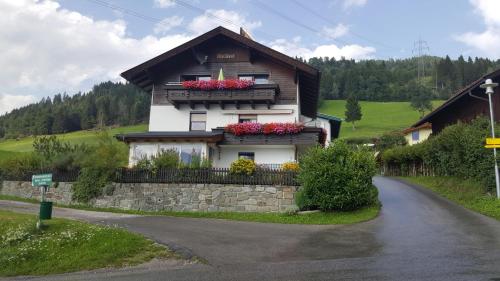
{"x":176,"y":94}
{"x":308,"y":136}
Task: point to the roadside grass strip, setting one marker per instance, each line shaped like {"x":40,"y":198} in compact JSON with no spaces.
{"x":466,"y":193}
{"x":317,"y":218}
{"x":66,"y":246}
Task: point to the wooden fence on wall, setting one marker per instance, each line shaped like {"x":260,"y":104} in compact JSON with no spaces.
{"x":407,"y":170}
{"x":201,"y":176}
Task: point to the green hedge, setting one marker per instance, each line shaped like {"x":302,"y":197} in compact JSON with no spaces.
{"x":457,"y":151}
{"x":338,"y":177}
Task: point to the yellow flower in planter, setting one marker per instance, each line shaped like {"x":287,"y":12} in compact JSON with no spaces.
{"x":290,"y":166}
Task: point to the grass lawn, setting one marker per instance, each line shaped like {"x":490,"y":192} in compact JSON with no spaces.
{"x":67,"y":246}
{"x":464,"y":192}
{"x":88,"y":137}
{"x":361,"y":215}
{"x":378,"y":117}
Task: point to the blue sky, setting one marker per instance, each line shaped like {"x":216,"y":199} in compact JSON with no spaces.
{"x":68,"y":45}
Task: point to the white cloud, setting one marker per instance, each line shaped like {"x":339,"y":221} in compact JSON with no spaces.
{"x":338,"y":31}
{"x":213,"y":18}
{"x":294,"y":49}
{"x":347,"y":4}
{"x":167,"y":24}
{"x":164,"y":3}
{"x":487,"y":41}
{"x":9,"y":102}
{"x":46,"y":49}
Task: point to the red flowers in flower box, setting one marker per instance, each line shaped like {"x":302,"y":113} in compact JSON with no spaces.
{"x":227,"y":84}
{"x":249,"y":128}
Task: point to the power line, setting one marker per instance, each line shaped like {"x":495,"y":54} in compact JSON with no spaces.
{"x":270,"y":9}
{"x":333,"y":23}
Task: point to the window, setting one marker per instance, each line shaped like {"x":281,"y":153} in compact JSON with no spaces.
{"x":261,"y":79}
{"x":246,"y":155}
{"x":198,"y":121}
{"x":415,"y":135}
{"x":196,"y":77}
{"x":245,"y":77}
{"x":257,"y":78}
{"x":203,"y":78}
{"x":190,"y":153}
{"x":247,"y":118}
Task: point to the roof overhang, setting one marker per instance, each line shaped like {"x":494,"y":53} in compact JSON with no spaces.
{"x":202,"y":136}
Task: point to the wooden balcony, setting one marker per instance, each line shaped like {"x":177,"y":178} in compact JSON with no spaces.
{"x":257,"y":94}
{"x":308,"y":136}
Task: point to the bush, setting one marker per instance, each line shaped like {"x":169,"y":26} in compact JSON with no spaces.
{"x":21,"y":165}
{"x":99,"y":168}
{"x":166,"y":159}
{"x":243,"y":166}
{"x":290,"y":166}
{"x":457,"y":151}
{"x":90,"y":184}
{"x":338,"y":177}
{"x":390,"y":140}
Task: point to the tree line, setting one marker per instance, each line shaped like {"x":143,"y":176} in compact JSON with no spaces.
{"x":106,"y":104}
{"x":395,"y":80}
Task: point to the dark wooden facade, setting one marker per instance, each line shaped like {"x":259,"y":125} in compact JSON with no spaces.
{"x":464,"y":106}
{"x":236,"y":55}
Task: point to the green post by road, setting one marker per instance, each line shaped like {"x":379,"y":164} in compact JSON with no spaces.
{"x":43,"y":181}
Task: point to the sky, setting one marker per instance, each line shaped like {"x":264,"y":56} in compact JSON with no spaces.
{"x":67,"y":46}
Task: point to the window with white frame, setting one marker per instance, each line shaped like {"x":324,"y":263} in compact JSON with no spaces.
{"x":198,"y":121}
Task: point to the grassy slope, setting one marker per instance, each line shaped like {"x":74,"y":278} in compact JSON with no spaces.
{"x":464,"y":192}
{"x":378,"y":117}
{"x":66,"y":246}
{"x":89,"y":137}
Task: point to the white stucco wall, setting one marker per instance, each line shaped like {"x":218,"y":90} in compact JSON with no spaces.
{"x":264,"y":154}
{"x":167,"y":118}
{"x":423,"y":135}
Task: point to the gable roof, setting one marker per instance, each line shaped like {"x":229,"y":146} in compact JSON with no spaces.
{"x":309,"y":76}
{"x":458,"y":95}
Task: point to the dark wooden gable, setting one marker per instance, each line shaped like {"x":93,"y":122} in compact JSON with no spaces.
{"x":236,"y":55}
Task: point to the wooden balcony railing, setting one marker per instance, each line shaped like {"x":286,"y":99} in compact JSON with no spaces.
{"x":257,"y":94}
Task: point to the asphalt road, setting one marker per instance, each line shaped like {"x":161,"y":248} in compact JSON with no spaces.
{"x":418,"y":236}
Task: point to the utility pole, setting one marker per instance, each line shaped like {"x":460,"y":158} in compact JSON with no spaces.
{"x":420,"y":50}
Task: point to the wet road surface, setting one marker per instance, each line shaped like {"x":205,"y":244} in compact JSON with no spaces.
{"x":418,"y":236}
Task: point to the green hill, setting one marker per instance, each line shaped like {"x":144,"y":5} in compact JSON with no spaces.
{"x":378,"y":117}
{"x":7,"y":147}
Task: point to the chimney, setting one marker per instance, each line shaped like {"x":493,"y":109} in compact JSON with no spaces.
{"x":244,"y":33}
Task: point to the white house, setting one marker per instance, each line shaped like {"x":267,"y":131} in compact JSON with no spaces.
{"x":193,"y":106}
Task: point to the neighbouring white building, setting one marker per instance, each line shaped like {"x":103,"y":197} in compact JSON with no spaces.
{"x":206,"y":86}
{"x":418,"y":134}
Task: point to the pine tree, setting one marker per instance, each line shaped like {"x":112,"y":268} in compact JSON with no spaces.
{"x":352,"y":111}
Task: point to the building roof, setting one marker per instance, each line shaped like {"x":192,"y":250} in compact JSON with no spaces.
{"x":426,"y":125}
{"x":178,"y":136}
{"x":329,"y":117}
{"x":308,"y":76}
{"x":458,"y":95}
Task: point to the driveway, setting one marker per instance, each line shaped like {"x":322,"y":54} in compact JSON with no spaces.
{"x":418,"y":236}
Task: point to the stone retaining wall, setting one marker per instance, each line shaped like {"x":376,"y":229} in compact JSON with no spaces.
{"x":172,"y":197}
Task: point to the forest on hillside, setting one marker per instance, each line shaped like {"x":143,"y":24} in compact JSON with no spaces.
{"x":394,"y":80}
{"x":106,"y":104}
{"x":118,"y":104}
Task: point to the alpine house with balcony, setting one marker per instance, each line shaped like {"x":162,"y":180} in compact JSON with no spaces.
{"x":222,"y":96}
